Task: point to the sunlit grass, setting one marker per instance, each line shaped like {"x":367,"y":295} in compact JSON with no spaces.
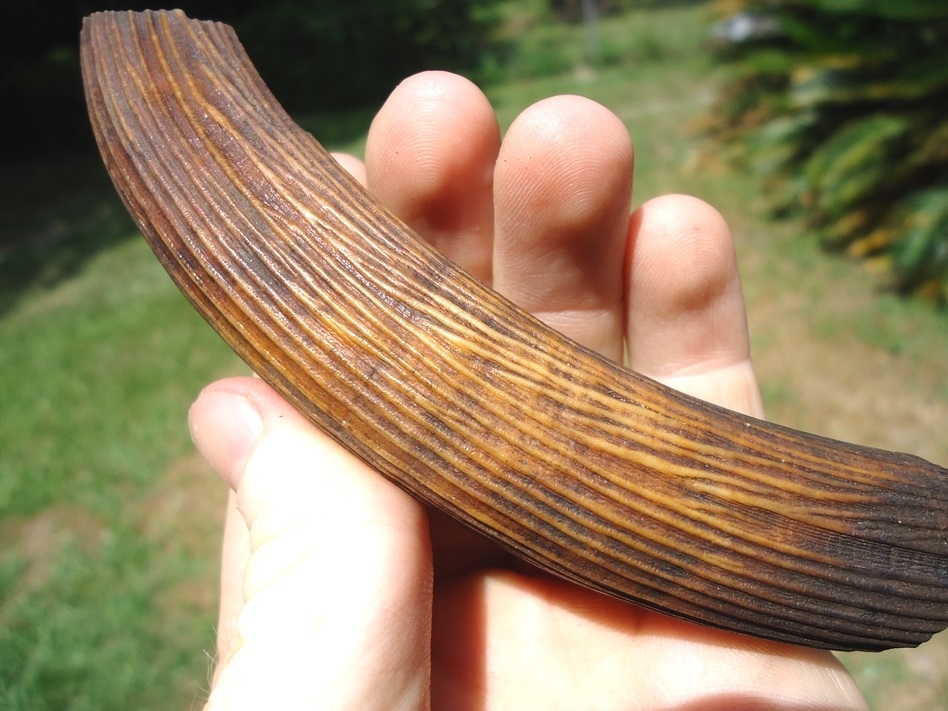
{"x":98,"y":372}
{"x":97,"y":369}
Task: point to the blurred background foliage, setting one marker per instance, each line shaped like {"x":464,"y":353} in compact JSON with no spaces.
{"x":330,"y":63}
{"x":841,"y":107}
{"x":314,"y":54}
{"x":327,"y":58}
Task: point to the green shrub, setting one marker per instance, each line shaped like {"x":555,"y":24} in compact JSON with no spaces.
{"x":841,"y":107}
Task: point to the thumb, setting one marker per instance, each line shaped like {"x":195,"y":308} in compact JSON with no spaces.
{"x":326,"y":591}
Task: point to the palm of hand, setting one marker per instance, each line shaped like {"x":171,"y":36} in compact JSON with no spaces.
{"x":339,"y":591}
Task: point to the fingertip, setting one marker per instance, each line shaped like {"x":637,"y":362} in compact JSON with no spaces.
{"x":229,"y":417}
{"x":686,"y":307}
{"x":430,"y":157}
{"x":225,"y":424}
{"x":562,"y":190}
{"x":548,"y":157}
{"x":682,"y":255}
{"x":686,"y":323}
{"x":421,"y":103}
{"x":354,"y":166}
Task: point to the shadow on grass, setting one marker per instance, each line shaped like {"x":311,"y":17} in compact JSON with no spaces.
{"x":58,"y":213}
{"x":55,"y":215}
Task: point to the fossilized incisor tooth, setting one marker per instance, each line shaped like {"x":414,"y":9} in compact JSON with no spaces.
{"x":589,"y":471}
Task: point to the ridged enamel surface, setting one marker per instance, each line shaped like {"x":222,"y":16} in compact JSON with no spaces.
{"x":588,"y":470}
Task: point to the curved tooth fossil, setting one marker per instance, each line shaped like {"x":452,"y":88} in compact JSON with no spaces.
{"x":590,"y":471}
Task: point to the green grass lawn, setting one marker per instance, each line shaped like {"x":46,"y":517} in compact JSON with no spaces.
{"x":98,"y":363}
{"x":109,"y":522}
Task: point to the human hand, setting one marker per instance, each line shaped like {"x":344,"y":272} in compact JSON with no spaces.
{"x":339,"y":591}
